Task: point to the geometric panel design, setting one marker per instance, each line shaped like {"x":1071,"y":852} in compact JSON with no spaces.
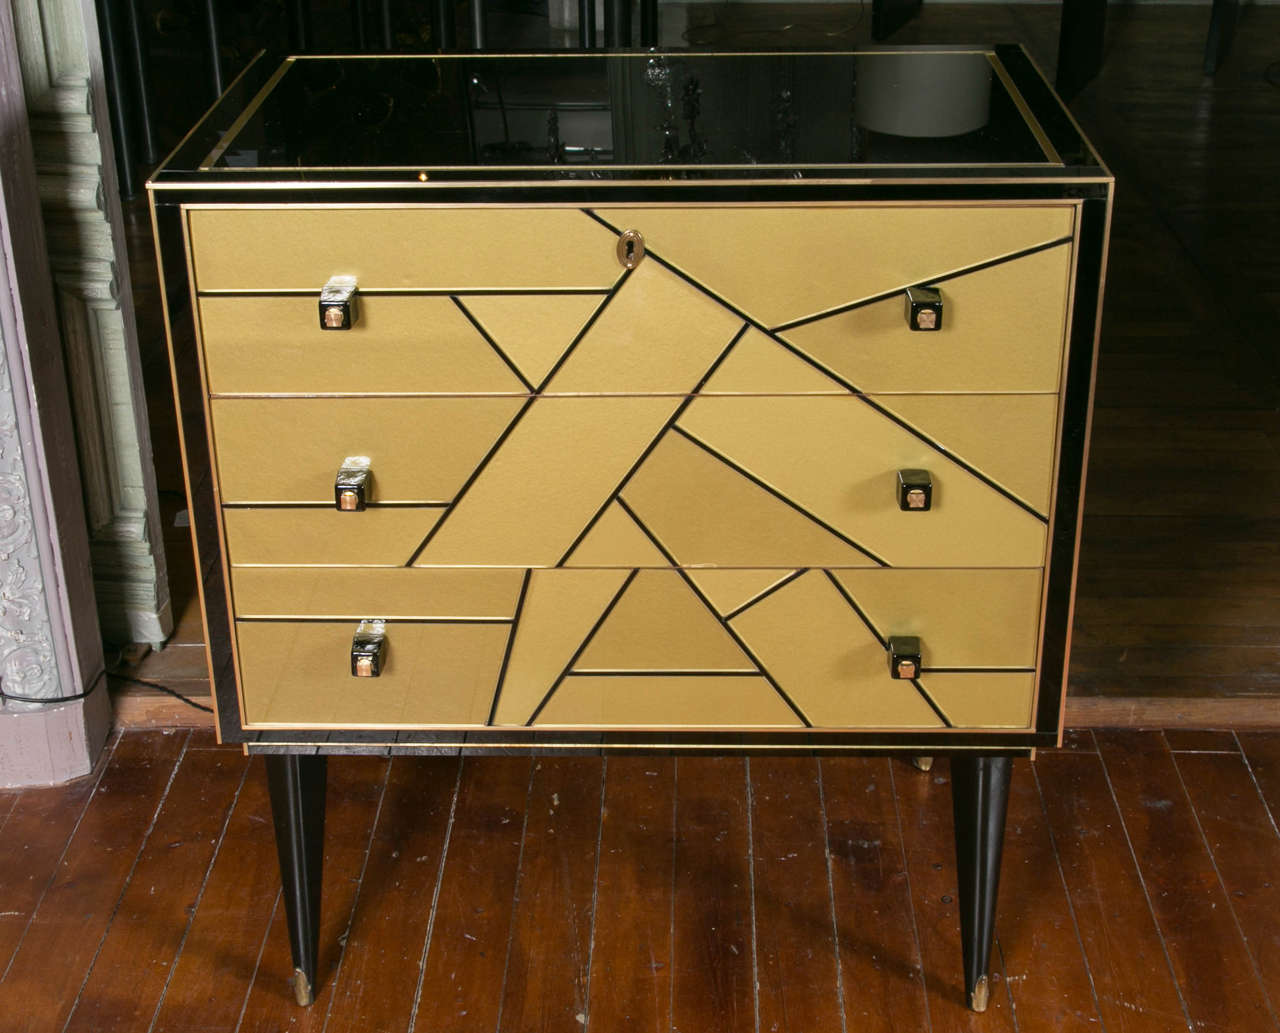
{"x":534,"y":330}
{"x":560,"y":609}
{"x":706,"y":513}
{"x":544,"y":483}
{"x":659,"y":624}
{"x":983,"y":700}
{"x":299,"y":673}
{"x":1002,"y":330}
{"x":963,"y":618}
{"x":837,"y":458}
{"x":400,"y":248}
{"x":658,"y":335}
{"x":727,"y":590}
{"x":290,"y":449}
{"x":1008,"y":438}
{"x":667,"y":702}
{"x":288,"y":536}
{"x":759,"y":365}
{"x":834,"y":669}
{"x":409,"y":345}
{"x":615,"y":540}
{"x":781,"y":264}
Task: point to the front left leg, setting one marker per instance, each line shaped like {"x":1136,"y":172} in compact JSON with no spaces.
{"x":297,"y":805}
{"x":979,"y":800}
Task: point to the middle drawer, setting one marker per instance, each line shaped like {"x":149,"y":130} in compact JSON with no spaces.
{"x":645,"y":481}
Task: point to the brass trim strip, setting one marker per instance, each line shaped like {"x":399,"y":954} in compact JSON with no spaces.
{"x":220,"y":148}
{"x":1024,"y":110}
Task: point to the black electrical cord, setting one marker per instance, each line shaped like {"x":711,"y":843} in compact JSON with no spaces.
{"x":161,"y":688}
{"x":53,"y":699}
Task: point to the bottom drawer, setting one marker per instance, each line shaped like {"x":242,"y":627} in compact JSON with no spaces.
{"x":651,"y":648}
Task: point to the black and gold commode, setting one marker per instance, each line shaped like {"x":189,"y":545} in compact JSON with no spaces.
{"x":672,"y":402}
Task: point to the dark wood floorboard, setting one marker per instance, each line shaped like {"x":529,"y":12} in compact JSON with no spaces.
{"x":574,"y":895}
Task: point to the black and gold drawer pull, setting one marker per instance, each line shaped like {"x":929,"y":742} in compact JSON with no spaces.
{"x":369,"y":649}
{"x":351,"y":486}
{"x":338,"y":303}
{"x":915,"y":491}
{"x":924,"y":308}
{"x":904,"y":657}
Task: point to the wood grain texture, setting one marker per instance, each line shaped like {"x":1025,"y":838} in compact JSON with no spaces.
{"x":1215,"y":974}
{"x":80,"y":904}
{"x":631,"y":956}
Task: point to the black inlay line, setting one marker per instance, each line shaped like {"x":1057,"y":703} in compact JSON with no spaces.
{"x":899,"y":291}
{"x":750,"y":654}
{"x":586,"y":329}
{"x":511,"y":641}
{"x":853,"y":605}
{"x":491,"y":342}
{"x":848,"y":385}
{"x":778,"y":495}
{"x":665,"y":673}
{"x":367,"y":617}
{"x":648,"y":451}
{"x":766,"y":593}
{"x":932,"y":705}
{"x":604,"y":616}
{"x":425,"y":292}
{"x":475,"y":474}
{"x":948,"y":454}
{"x":330,"y":505}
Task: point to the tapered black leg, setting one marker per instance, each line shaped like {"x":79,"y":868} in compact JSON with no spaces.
{"x":297,"y":805}
{"x":979,"y":799}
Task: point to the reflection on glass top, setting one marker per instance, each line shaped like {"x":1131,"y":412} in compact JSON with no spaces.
{"x":685,"y":109}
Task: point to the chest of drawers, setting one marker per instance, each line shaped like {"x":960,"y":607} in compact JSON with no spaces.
{"x":674,"y":403}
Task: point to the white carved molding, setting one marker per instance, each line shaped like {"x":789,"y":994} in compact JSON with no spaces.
{"x":60,"y":59}
{"x":50,"y":645}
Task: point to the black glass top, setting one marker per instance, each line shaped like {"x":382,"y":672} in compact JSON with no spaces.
{"x":632,"y":115}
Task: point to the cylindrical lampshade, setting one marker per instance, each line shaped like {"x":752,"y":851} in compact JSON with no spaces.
{"x":905,"y":95}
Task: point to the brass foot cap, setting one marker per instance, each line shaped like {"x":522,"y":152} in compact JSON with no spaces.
{"x":923,"y":763}
{"x":980,"y":996}
{"x":302,"y":991}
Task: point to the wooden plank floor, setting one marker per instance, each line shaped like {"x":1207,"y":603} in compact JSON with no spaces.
{"x":682,"y":895}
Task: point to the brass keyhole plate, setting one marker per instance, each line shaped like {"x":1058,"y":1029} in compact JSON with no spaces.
{"x":630,"y":248}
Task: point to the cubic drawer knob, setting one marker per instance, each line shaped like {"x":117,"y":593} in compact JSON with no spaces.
{"x":924,"y":308}
{"x":338,"y":303}
{"x":915,"y":491}
{"x":904,"y":657}
{"x":369,"y":649}
{"x":351,"y":486}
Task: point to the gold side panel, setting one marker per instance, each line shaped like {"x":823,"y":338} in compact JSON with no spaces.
{"x":659,"y":624}
{"x":781,"y":264}
{"x":547,"y":480}
{"x":667,"y":701}
{"x":706,"y":513}
{"x":433,"y":674}
{"x":726,"y":590}
{"x":815,"y":647}
{"x":419,"y":345}
{"x":657,"y":335}
{"x":616,"y":541}
{"x":760,"y":366}
{"x":560,"y":609}
{"x":963,"y":618}
{"x":1003,"y":329}
{"x":983,"y":700}
{"x":1011,"y":438}
{"x":354,"y":593}
{"x":533,"y":330}
{"x":400,"y":247}
{"x":293,"y":537}
{"x":290,"y":449}
{"x":838,"y":459}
